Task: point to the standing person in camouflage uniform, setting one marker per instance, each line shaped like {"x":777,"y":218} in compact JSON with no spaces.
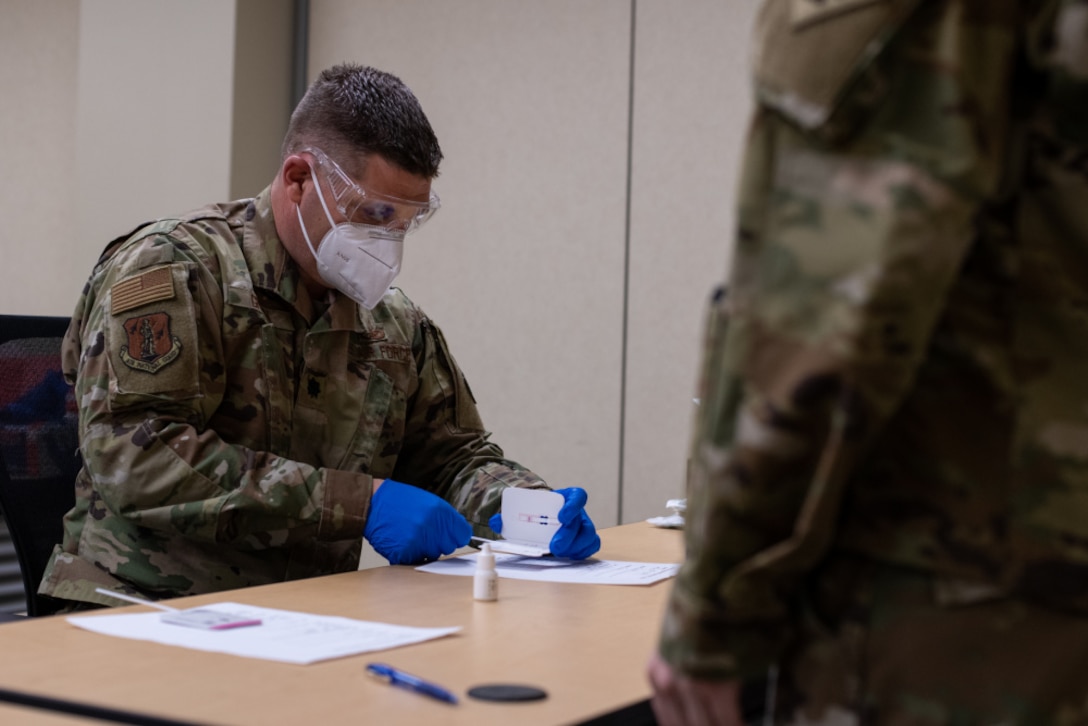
{"x":888,"y":510}
{"x":254,"y":397}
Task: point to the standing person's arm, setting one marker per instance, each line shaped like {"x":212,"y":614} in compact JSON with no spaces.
{"x":853,"y":226}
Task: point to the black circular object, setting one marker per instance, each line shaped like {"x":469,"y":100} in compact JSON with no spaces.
{"x":507,"y":692}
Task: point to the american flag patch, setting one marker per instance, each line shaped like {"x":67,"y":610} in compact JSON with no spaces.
{"x":153,"y":285}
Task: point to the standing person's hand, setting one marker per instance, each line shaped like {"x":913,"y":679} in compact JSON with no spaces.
{"x":681,"y":700}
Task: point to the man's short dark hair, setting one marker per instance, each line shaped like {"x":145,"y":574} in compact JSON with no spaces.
{"x":352,"y":108}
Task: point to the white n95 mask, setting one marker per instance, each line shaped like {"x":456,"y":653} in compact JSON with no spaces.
{"x":359,"y":260}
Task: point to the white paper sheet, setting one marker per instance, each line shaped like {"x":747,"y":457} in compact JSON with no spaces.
{"x":550,"y":569}
{"x":283,"y":635}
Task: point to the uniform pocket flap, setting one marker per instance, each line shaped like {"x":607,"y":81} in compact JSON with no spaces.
{"x":809,"y":52}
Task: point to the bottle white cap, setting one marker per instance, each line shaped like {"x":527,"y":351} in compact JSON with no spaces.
{"x":485,"y":560}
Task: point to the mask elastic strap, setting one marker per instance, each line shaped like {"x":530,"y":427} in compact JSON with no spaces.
{"x":321,"y":197}
{"x":298,"y":212}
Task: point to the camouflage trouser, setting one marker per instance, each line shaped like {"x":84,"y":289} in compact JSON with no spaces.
{"x":883,"y":646}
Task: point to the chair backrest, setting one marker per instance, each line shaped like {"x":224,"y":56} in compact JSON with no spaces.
{"x":39,"y":444}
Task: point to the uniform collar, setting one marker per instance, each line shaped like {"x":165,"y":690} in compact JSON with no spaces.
{"x":273,"y":270}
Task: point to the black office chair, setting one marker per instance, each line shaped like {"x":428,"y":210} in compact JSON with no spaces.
{"x":39,"y":445}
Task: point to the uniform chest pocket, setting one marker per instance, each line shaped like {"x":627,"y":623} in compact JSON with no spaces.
{"x":810,"y":53}
{"x":338,"y":420}
{"x":382,"y":410}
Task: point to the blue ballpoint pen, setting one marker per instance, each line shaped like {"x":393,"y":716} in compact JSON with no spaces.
{"x":405,"y":680}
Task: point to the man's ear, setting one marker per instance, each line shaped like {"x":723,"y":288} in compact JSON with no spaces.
{"x":296,"y":173}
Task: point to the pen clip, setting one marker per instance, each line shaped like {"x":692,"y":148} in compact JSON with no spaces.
{"x":395,"y":677}
{"x":382,"y":672}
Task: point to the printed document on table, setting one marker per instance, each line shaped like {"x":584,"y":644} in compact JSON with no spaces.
{"x":283,"y":635}
{"x":551,"y":569}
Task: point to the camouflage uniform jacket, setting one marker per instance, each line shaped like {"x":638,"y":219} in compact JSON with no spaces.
{"x":228,"y":440}
{"x":900,"y":366}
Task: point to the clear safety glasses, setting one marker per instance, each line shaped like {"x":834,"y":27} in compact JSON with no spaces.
{"x":360,"y":206}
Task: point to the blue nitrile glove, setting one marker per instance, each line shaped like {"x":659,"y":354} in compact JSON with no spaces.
{"x":577,"y":537}
{"x":408,"y":525}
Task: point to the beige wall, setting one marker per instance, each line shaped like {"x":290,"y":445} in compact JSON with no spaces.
{"x":576,"y":316}
{"x":152,"y":117}
{"x":523,"y":265}
{"x":109,"y":119}
{"x":690,"y":112}
{"x":261,"y":103}
{"x":530,"y":266}
{"x":39,"y":47}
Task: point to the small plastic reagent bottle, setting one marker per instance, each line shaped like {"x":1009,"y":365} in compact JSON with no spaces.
{"x":485,"y":581}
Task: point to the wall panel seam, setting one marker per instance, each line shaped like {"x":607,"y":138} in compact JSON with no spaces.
{"x":624,"y":342}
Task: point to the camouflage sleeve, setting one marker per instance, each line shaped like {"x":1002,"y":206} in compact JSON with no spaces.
{"x":149,"y":376}
{"x":862,"y":178}
{"x":446,"y":449}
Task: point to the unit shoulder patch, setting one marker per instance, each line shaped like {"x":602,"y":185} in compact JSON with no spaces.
{"x":150,"y":345}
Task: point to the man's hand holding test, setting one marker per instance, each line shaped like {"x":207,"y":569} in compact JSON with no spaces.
{"x":408,"y":525}
{"x":576,"y":538}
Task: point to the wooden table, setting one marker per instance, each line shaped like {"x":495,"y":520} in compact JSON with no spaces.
{"x":586,"y":645}
{"x":13,"y":715}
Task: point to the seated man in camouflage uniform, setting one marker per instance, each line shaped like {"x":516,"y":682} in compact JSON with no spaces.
{"x":254,"y":397}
